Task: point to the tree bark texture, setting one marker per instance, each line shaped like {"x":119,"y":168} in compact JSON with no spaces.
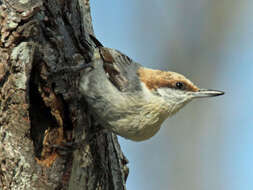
{"x":41,"y":109}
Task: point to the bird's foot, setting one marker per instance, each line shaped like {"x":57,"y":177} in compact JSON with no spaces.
{"x":67,"y":148}
{"x":73,"y":69}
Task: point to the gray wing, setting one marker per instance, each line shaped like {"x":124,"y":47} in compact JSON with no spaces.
{"x":120,"y":69}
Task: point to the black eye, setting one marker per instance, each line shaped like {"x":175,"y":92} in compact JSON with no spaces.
{"x":180,"y":85}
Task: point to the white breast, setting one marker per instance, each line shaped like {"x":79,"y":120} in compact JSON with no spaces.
{"x":146,"y":113}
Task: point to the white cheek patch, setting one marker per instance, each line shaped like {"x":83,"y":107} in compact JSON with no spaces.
{"x":146,"y":92}
{"x":175,"y":99}
{"x":169,"y":93}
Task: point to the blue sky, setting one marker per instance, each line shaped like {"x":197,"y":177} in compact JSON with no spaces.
{"x":207,"y":145}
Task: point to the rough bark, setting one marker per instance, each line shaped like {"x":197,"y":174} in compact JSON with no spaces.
{"x":40,"y":109}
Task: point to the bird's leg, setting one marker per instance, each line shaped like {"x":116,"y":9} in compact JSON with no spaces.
{"x":69,"y":147}
{"x":73,"y":69}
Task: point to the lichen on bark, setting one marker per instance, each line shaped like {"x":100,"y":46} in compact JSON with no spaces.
{"x":39,"y":109}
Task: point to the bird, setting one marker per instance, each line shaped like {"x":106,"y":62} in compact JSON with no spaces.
{"x":131,"y":100}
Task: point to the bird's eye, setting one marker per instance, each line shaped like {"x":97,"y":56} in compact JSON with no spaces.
{"x":180,"y":85}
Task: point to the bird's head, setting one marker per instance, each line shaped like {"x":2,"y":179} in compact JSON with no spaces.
{"x":175,"y":89}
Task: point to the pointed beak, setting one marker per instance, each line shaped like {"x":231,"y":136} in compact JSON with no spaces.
{"x":203,"y":93}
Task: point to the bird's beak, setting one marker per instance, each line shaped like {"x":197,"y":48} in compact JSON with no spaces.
{"x":203,"y":93}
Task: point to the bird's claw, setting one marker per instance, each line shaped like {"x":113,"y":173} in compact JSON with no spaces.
{"x":65,"y":148}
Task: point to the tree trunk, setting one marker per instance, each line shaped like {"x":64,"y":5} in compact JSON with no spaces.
{"x":40,"y":110}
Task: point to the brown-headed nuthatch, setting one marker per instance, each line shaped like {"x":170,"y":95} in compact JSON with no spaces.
{"x":131,"y":100}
